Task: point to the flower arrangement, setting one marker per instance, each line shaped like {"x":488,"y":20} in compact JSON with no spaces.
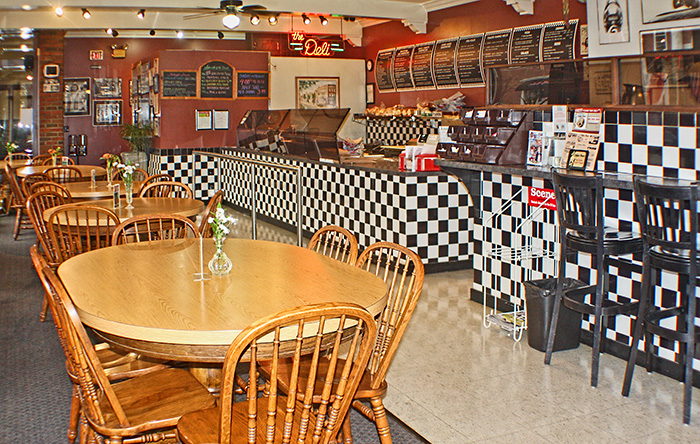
{"x":111,"y":160}
{"x":127,"y":173}
{"x":11,"y":147}
{"x":220,"y":223}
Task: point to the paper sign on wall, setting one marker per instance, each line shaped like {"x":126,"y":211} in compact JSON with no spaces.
{"x":543,"y":197}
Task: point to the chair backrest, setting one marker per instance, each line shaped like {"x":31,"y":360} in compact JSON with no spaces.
{"x":64,"y":173}
{"x":579,"y":200}
{"x":315,"y":331}
{"x":15,"y":186}
{"x":403,"y":272}
{"x":162,"y":177}
{"x":166,"y":189}
{"x":60,"y":160}
{"x":76,"y":229}
{"x":97,"y":394}
{"x":17,"y":156}
{"x":668,"y":213}
{"x":335,"y":242}
{"x":29,"y":180}
{"x":37,"y":204}
{"x":139,"y":174}
{"x":50,"y":186}
{"x":152,"y":227}
{"x":39,"y":160}
{"x":204,"y":225}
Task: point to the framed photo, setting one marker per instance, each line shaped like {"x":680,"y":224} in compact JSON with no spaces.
{"x":577,"y":160}
{"x":107,"y":112}
{"x":76,"y":97}
{"x":220,"y":119}
{"x":613,"y":21}
{"x":107,"y":88}
{"x":317,"y":92}
{"x":370,"y":93}
{"x":666,"y":10}
{"x":203,"y":119}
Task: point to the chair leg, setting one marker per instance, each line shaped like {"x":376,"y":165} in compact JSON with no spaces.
{"x":598,"y":319}
{"x":380,"y":420}
{"x":74,"y":418}
{"x":86,"y":431}
{"x":690,"y":345}
{"x":44,"y":308}
{"x":18,"y":223}
{"x":347,"y":430}
{"x":638,"y":328}
{"x":557,"y":304}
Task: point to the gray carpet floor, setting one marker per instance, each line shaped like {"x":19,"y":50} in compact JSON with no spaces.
{"x":34,"y":389}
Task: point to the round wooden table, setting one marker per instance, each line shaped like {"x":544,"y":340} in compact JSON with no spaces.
{"x":144,"y":206}
{"x":83,"y":191}
{"x":14,"y":163}
{"x":84,"y":169}
{"x":143,"y":297}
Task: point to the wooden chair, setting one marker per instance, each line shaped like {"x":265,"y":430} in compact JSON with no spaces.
{"x":18,"y":202}
{"x":39,"y":160}
{"x":163,"y":177}
{"x":312,"y":335}
{"x":138,"y":409}
{"x":64,"y":174}
{"x":204,"y":225}
{"x":17,"y":156}
{"x":62,"y":160}
{"x":50,"y":186}
{"x":166,"y":189}
{"x":335,"y":242}
{"x":140,"y":175}
{"x":75,"y":229}
{"x":28,"y":181}
{"x":154,"y":227}
{"x":118,"y":365}
{"x":403,"y":272}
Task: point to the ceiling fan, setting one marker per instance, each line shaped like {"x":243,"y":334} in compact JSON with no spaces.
{"x":232,"y":9}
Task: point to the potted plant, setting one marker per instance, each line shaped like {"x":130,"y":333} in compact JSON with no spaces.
{"x":139,"y":136}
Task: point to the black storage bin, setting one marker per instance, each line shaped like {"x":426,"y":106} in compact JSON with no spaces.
{"x":539,"y":297}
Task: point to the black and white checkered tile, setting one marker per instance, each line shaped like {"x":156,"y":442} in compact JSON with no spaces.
{"x":398,"y":130}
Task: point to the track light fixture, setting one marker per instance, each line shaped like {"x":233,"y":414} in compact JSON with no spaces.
{"x":254,"y":20}
{"x":58,"y":11}
{"x":305,"y":18}
{"x":231,"y":20}
{"x":109,"y":31}
{"x":324,"y":21}
{"x":141,"y":14}
{"x":152,"y":32}
{"x":115,"y":33}
{"x":272,"y":20}
{"x":180,"y":34}
{"x":86,"y":14}
{"x":220,"y":35}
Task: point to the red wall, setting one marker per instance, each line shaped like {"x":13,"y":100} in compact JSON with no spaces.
{"x":472,"y":18}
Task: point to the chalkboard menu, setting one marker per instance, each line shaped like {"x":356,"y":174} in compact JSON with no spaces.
{"x":558,"y":41}
{"x":444,"y":64}
{"x":495,"y":50}
{"x":253,"y":84}
{"x":421,"y":65}
{"x":216,"y":80}
{"x":468,"y":61}
{"x":179,"y":84}
{"x":402,"y":68}
{"x":525,"y":45}
{"x":382,"y":70}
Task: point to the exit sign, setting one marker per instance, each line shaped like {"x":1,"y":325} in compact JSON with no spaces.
{"x":96,"y":54}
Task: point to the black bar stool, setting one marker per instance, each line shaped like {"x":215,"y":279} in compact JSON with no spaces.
{"x":668,"y":216}
{"x":581,"y":230}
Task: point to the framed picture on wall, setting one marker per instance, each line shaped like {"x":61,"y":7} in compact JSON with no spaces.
{"x":107,"y":112}
{"x":613,"y":21}
{"x":370,"y":93}
{"x":317,"y":92}
{"x":107,"y":88}
{"x":666,"y":10}
{"x":76,"y":97}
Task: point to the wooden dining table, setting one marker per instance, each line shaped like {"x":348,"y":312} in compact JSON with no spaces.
{"x":146,"y":297}
{"x":84,"y":191}
{"x":14,"y":164}
{"x":145,"y":206}
{"x":86,"y":170}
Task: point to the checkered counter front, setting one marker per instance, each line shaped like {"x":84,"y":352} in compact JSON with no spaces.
{"x":398,"y":130}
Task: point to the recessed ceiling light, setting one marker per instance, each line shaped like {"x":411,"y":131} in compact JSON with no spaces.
{"x":86,"y":14}
{"x":152,"y":32}
{"x":58,"y":11}
{"x":27,"y":7}
{"x":141,"y":14}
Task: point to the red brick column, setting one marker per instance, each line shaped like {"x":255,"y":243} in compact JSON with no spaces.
{"x":49,"y":46}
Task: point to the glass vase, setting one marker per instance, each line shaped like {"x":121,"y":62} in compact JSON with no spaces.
{"x":220,"y":264}
{"x":129,"y":193}
{"x":109,"y":176}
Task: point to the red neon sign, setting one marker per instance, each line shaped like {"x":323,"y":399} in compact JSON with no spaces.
{"x":309,"y":46}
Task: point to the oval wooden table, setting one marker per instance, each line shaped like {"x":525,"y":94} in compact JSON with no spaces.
{"x":82,"y":190}
{"x":14,"y":164}
{"x":84,"y":169}
{"x":143,"y":297}
{"x":146,"y":205}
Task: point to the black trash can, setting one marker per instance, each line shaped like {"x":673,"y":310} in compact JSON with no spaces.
{"x":539,"y":297}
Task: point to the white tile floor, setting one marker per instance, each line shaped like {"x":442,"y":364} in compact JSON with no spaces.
{"x":455,"y":382}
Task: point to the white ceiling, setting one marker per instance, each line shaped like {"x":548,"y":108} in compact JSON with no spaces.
{"x":168,"y":15}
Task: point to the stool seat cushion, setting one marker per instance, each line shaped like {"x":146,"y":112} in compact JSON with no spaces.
{"x":614,"y":242}
{"x":672,"y":259}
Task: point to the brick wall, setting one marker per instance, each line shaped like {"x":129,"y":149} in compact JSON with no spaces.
{"x":49,"y":46}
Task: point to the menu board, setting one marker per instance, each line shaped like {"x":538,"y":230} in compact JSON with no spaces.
{"x":402,"y":68}
{"x":558,"y":41}
{"x":468,"y":60}
{"x":382,"y":70}
{"x":216,"y":80}
{"x":495,"y":49}
{"x":421,"y":65}
{"x":253,"y":85}
{"x":444,"y":69}
{"x":179,"y":84}
{"x":525,"y":45}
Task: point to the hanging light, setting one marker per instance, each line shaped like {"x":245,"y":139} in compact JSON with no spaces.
{"x":305,"y":18}
{"x":324,"y":21}
{"x":141,"y":14}
{"x":58,"y":11}
{"x":86,"y":14}
{"x":254,"y":20}
{"x":272,"y":20}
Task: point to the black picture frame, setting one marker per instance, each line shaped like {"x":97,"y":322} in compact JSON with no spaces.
{"x":107,"y":112}
{"x":577,"y":160}
{"x":76,"y":96}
